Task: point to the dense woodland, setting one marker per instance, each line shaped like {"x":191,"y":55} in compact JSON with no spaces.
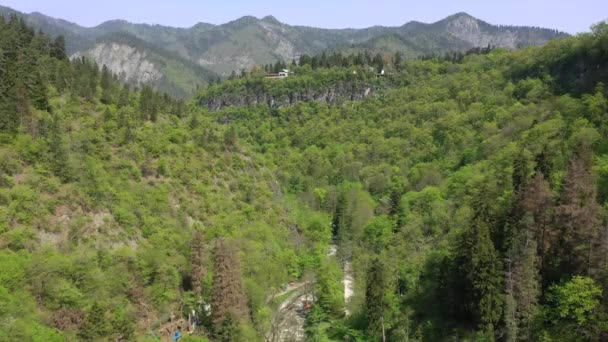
{"x":470,"y":195}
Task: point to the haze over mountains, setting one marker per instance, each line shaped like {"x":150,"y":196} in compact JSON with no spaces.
{"x":176,"y":60}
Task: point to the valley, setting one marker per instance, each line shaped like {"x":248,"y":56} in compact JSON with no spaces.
{"x":391,"y":184}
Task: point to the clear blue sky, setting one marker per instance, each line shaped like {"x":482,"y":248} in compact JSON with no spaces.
{"x":571,"y":16}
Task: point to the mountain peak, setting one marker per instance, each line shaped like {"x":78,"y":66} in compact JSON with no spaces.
{"x":271,"y":19}
{"x":245,"y":20}
{"x":461,"y":15}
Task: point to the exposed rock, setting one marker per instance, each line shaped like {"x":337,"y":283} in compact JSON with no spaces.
{"x":335,"y":94}
{"x":480,"y":34}
{"x":126,"y":61}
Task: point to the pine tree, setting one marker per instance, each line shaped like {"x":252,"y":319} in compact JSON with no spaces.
{"x":38,"y":92}
{"x":520,"y":179}
{"x":375,"y":302}
{"x":123,"y":326}
{"x":197,"y":262}
{"x":9,"y":118}
{"x":58,"y":151}
{"x":522,"y":288}
{"x":577,"y":218}
{"x":479,"y":268}
{"x":95,"y":324}
{"x":123,"y":99}
{"x":536,"y":203}
{"x":378,"y":62}
{"x":58,"y":48}
{"x":147,"y":104}
{"x":525,"y":250}
{"x":397,"y":60}
{"x":543,"y":164}
{"x":106,"y":85}
{"x":228,"y":298}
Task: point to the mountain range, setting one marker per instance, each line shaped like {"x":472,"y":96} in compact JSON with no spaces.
{"x":176,"y":60}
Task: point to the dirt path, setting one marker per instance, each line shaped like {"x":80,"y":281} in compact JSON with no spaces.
{"x":288,"y":324}
{"x":290,"y":318}
{"x":349,"y":284}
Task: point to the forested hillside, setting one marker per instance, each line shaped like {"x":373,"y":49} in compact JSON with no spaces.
{"x":468,"y":195}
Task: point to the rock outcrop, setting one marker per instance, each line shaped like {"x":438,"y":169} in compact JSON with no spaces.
{"x":333,"y":94}
{"x":130,"y":64}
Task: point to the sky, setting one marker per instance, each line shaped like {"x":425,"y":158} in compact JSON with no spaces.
{"x":572,"y":16}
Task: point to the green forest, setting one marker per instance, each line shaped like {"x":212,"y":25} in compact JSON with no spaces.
{"x":469,"y":195}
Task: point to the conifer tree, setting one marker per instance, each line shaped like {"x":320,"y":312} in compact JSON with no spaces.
{"x":228,"y":298}
{"x":397,"y":60}
{"x":577,"y":218}
{"x":95,"y":325}
{"x":38,"y":92}
{"x":480,"y":269}
{"x":106,"y":85}
{"x":536,"y":203}
{"x":9,"y":118}
{"x":197,"y":262}
{"x":58,"y":48}
{"x":123,"y":99}
{"x":57,"y":151}
{"x":375,"y":302}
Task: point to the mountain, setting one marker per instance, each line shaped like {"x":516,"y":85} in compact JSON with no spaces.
{"x":136,"y":61}
{"x":249,"y":41}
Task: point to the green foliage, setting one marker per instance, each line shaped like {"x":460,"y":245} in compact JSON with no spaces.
{"x":95,"y":325}
{"x":102,"y":191}
{"x":574,"y":309}
{"x":329,"y":289}
{"x":375,"y":300}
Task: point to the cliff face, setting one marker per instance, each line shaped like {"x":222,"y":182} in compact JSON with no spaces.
{"x":479,"y":33}
{"x":129,"y":63}
{"x":468,"y":29}
{"x":245,"y":97}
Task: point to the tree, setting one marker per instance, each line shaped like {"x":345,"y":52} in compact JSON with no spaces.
{"x":480,"y":269}
{"x":228,"y":298}
{"x":543,"y":164}
{"x":378,"y":62}
{"x":123,"y":99}
{"x":536,"y":203}
{"x":197,"y":261}
{"x":95,"y":324}
{"x":574,"y":311}
{"x":329,"y":289}
{"x":397,"y":60}
{"x":147,"y":104}
{"x":375,"y":302}
{"x":106,"y":85}
{"x":522,"y":288}
{"x":123,"y":327}
{"x":58,"y":151}
{"x":9,"y":117}
{"x":576,"y":219}
{"x":231,"y":138}
{"x":58,"y":48}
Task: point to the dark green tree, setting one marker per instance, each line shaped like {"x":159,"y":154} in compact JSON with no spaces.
{"x":58,"y":48}
{"x":95,"y":325}
{"x":375,"y":302}
{"x":479,"y":269}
